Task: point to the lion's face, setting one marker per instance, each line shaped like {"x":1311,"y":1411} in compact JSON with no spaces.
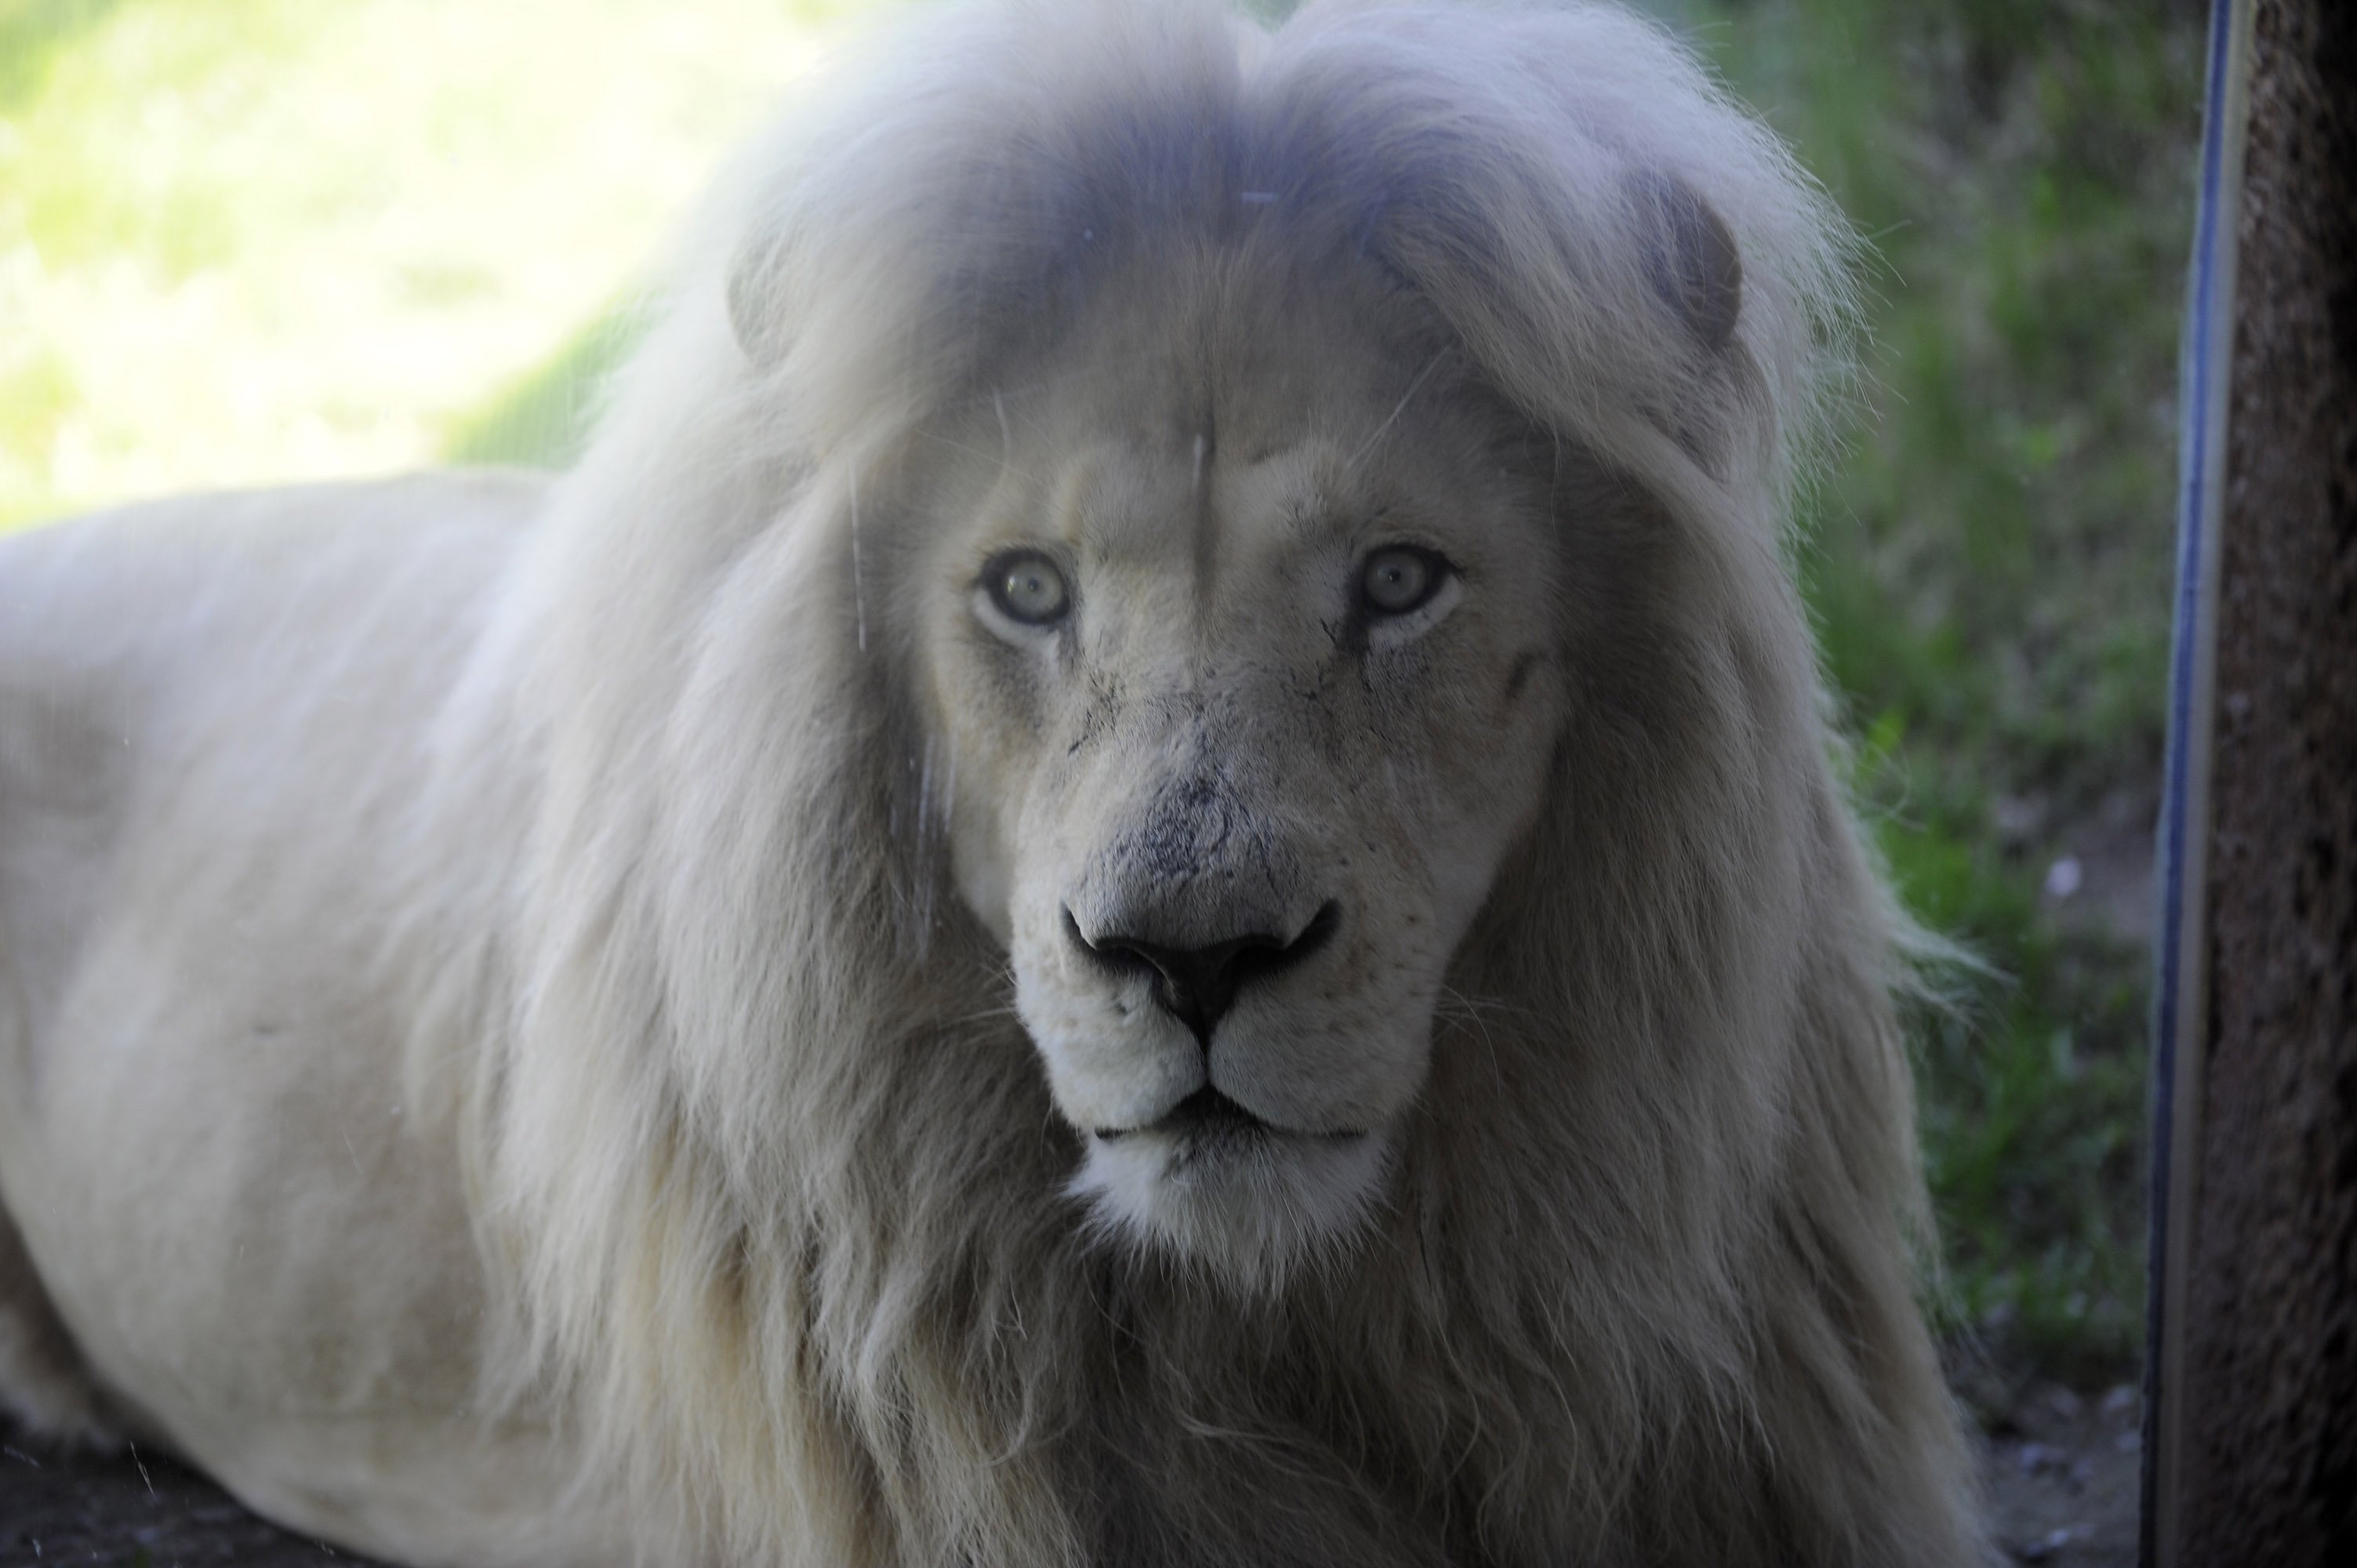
{"x":1238,"y":629}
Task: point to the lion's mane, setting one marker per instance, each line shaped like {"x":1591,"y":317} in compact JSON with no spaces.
{"x":766,"y":1155}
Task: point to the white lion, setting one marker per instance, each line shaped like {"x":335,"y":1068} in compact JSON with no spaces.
{"x":1141,"y":872}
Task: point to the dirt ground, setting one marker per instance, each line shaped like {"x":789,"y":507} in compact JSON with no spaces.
{"x":2064,"y":1474}
{"x":130,"y":1510}
{"x":2061,"y":1474}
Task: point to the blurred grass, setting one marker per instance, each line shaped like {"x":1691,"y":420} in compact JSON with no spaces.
{"x":1990,"y":572}
{"x":268,"y":240}
{"x":543,"y":418}
{"x":32,"y":33}
{"x":254,"y":241}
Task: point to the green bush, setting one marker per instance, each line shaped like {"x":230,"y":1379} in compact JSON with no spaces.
{"x":1989,"y":568}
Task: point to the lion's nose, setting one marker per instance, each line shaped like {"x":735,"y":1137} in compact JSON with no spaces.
{"x":1197,"y":985}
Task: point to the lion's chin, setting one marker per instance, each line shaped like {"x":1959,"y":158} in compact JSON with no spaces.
{"x":1247,"y":1202}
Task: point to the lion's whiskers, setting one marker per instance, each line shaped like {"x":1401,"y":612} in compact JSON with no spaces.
{"x":939,"y":440}
{"x":1471,"y":1015}
{"x":1392,"y":418}
{"x":858,"y":581}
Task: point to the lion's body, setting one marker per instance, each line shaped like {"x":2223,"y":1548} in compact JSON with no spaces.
{"x":667,"y":1012}
{"x":208,"y":1140}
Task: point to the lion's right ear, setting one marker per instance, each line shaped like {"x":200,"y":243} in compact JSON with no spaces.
{"x":1692,"y":261}
{"x":757,"y":305}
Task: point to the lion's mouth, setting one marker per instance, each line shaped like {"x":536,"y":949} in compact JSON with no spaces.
{"x":1216,"y":1181}
{"x":1209,"y":1116}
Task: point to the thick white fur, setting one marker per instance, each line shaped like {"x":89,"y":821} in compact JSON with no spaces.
{"x":508,"y":1045}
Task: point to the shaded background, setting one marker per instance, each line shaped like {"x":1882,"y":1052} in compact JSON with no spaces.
{"x":248,"y":242}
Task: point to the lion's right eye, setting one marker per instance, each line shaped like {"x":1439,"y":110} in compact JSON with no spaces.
{"x":1401,"y":578}
{"x":1027,"y":588}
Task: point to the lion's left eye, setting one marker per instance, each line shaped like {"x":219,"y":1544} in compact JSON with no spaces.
{"x":1400,"y":578}
{"x":1027,"y":588}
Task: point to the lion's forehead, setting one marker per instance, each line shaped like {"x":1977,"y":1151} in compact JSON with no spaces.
{"x":1216,"y":508}
{"x":1195,"y":505}
{"x":1235,"y":396}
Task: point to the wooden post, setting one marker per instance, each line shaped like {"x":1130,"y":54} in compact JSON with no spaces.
{"x":2253,"y":1451}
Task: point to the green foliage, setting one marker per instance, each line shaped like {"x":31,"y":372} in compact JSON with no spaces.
{"x":254,"y":241}
{"x":1989,"y":570}
{"x":543,"y":418}
{"x":33,"y":33}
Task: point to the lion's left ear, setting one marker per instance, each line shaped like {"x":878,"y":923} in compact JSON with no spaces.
{"x":757,"y":309}
{"x":1693,"y":263}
